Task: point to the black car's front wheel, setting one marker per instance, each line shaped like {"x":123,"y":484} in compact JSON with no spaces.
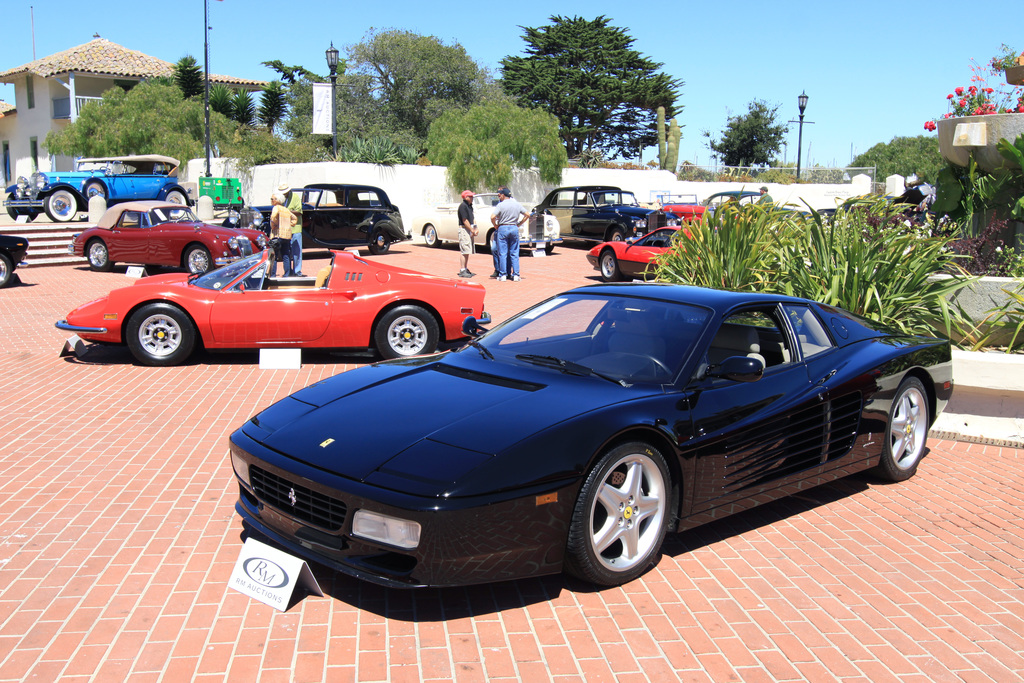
{"x":6,"y":270}
{"x":160,"y":334}
{"x":406,"y":331}
{"x":906,"y":433}
{"x":621,"y":516}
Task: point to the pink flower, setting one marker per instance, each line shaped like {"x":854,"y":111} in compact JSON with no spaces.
{"x":929,"y":125}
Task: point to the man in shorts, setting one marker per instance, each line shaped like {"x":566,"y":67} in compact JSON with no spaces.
{"x":467,"y":231}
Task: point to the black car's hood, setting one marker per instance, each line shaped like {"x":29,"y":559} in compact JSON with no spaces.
{"x":395,"y":417}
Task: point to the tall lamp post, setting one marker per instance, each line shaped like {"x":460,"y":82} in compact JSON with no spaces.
{"x":801,"y":102}
{"x":206,"y":65}
{"x":332,"y":64}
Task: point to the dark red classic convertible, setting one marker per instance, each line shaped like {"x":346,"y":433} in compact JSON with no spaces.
{"x":352,"y":303}
{"x":162,"y":234}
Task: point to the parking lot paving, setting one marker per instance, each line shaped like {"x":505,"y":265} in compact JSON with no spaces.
{"x":118,"y":535}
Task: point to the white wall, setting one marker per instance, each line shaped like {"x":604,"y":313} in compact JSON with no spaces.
{"x":416,"y":189}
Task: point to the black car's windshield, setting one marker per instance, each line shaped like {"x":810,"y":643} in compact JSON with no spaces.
{"x":172,"y":215}
{"x":220,"y":278}
{"x":624,"y":338}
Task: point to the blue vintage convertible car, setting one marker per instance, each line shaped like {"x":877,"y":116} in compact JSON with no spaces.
{"x":577,"y":434}
{"x":65,"y":194}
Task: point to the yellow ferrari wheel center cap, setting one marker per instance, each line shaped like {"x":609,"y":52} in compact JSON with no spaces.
{"x":628,"y":512}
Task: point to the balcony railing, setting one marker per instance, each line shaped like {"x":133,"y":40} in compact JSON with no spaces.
{"x":62,"y":106}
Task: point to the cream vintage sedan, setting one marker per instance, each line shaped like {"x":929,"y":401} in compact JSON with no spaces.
{"x":442,"y":225}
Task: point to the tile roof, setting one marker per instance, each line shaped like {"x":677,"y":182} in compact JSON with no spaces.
{"x":102,"y":57}
{"x":6,"y":108}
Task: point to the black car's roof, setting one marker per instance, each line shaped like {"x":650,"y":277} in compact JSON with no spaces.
{"x":720,"y":300}
{"x":588,"y":188}
{"x":342,"y":186}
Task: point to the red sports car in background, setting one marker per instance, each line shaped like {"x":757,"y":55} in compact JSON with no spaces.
{"x":632,"y":259}
{"x":162,"y":234}
{"x":352,"y":303}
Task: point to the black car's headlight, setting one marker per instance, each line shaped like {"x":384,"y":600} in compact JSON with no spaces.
{"x":639,"y":223}
{"x":373,"y":526}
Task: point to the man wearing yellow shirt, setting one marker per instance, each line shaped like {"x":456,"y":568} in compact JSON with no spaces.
{"x":294,"y":204}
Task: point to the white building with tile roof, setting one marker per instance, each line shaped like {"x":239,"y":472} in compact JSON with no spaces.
{"x":50,"y":92}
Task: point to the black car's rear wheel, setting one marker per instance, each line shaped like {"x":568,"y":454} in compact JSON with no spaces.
{"x":160,"y":334}
{"x":99,"y":257}
{"x":621,"y":516}
{"x":379,"y":242}
{"x":609,"y":265}
{"x":6,"y":270}
{"x":406,"y":331}
{"x":906,"y":433}
{"x":61,"y":206}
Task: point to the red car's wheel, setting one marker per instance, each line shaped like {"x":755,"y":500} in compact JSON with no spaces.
{"x":160,"y":334}
{"x":609,"y":266}
{"x":406,"y":331}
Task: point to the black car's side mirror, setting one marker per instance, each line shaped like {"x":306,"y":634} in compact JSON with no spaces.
{"x":471,"y":326}
{"x":738,"y":369}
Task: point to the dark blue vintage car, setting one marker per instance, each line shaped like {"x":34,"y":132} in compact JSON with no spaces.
{"x":65,"y":194}
{"x":12,"y":254}
{"x":575,"y":435}
{"x":601,"y":213}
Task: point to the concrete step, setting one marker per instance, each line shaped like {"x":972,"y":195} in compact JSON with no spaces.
{"x":35,"y":260}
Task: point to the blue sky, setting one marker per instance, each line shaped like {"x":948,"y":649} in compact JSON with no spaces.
{"x":872,"y":70}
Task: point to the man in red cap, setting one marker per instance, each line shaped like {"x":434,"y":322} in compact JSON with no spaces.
{"x":467,"y":231}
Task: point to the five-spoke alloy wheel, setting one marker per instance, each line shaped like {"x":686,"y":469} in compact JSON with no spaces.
{"x":160,"y":334}
{"x":906,"y":432}
{"x":621,"y":516}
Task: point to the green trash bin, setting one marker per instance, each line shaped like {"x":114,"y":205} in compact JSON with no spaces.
{"x":225,"y":192}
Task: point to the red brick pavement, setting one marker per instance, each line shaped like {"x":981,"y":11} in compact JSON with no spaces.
{"x":118,"y":534}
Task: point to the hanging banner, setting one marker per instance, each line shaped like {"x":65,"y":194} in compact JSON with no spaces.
{"x":322,"y":108}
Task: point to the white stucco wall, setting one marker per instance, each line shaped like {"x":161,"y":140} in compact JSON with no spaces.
{"x":416,"y":189}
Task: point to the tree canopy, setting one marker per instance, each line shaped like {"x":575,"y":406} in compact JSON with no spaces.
{"x":904,"y":156}
{"x":151,"y":118}
{"x":483,"y":145}
{"x":587,"y":74}
{"x":414,"y":79}
{"x":752,"y":139}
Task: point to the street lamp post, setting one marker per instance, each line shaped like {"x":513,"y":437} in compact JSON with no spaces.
{"x":801,"y":102}
{"x":332,"y":64}
{"x":206,"y":65}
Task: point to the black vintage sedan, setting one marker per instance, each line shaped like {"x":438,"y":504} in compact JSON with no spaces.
{"x":601,"y":213}
{"x":575,"y":435}
{"x":339,"y":216}
{"x":12,"y":252}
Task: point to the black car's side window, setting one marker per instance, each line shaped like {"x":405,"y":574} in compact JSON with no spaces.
{"x":754,"y":333}
{"x":810,"y":333}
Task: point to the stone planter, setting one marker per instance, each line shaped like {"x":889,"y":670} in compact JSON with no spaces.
{"x":987,"y":294}
{"x":1015,"y":75}
{"x":982,"y":133}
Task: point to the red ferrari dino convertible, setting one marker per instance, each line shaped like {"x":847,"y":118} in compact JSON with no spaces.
{"x":352,"y":303}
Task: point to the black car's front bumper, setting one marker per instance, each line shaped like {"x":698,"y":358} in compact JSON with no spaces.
{"x":489,"y":538}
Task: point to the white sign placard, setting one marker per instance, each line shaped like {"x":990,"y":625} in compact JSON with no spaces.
{"x":135,"y":271}
{"x":280,"y":359}
{"x":270,"y":575}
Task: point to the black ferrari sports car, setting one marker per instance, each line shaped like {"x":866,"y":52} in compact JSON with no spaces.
{"x":575,"y":435}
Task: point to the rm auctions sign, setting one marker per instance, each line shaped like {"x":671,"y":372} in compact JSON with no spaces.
{"x":270,"y":575}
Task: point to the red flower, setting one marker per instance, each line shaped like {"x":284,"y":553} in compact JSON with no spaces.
{"x":972,"y":90}
{"x":962,"y":103}
{"x":929,"y":125}
{"x":959,"y":91}
{"x":949,"y":96}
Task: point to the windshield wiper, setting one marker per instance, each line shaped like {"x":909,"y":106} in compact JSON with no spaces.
{"x":481,"y":348}
{"x":569,"y":367}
